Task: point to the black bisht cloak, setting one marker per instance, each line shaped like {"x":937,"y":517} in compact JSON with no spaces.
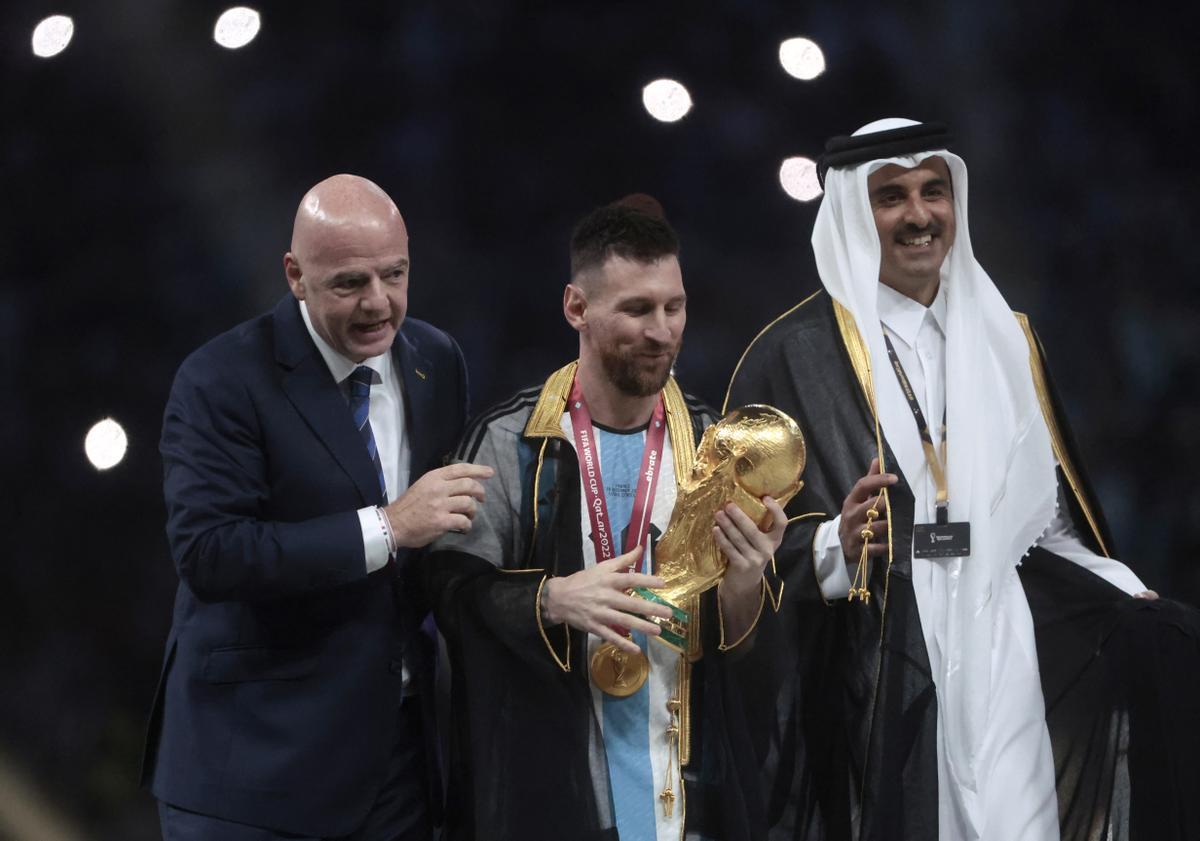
{"x":840,"y":695}
{"x":520,"y":761}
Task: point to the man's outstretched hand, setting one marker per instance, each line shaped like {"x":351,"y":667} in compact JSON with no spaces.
{"x":442,"y":500}
{"x":594,"y":600}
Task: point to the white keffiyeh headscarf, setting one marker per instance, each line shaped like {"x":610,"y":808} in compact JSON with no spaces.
{"x":1000,"y":466}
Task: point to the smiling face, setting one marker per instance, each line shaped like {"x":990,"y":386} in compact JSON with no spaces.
{"x":349,"y":264}
{"x":631,"y":320}
{"x":914,"y":214}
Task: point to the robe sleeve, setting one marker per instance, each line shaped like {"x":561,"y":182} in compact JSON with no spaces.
{"x":478,"y":578}
{"x":1063,"y":540}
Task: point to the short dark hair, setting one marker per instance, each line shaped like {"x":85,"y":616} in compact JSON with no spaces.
{"x":633,"y":227}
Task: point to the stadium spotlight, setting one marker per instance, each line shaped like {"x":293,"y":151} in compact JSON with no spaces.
{"x":798,"y":177}
{"x":237,"y":27}
{"x":51,"y":36}
{"x":105,"y":444}
{"x":802,"y":58}
{"x":666,"y":100}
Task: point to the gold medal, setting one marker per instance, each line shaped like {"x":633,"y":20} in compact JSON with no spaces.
{"x":617,"y":672}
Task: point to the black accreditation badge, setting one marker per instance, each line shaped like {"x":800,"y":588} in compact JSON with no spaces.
{"x":941,"y":540}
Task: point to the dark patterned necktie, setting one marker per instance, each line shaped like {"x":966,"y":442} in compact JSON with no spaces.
{"x":360,"y":407}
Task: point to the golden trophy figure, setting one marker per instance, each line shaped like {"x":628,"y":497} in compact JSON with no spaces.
{"x":752,"y":452}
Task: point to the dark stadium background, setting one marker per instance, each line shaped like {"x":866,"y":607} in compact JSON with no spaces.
{"x":149,"y":179}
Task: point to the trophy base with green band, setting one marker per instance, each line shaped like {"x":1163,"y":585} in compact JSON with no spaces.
{"x":674,"y":629}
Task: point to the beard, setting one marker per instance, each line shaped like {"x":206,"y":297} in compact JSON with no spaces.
{"x":634,"y":375}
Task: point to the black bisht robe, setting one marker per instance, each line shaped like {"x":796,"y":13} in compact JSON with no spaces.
{"x":520,"y":761}
{"x":842,"y":696}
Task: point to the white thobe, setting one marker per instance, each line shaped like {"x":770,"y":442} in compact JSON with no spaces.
{"x":1015,"y":796}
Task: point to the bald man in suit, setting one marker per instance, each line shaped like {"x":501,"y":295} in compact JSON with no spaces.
{"x":301,"y":456}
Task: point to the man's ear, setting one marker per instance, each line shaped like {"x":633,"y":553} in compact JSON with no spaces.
{"x":575,"y":307}
{"x":295,"y":277}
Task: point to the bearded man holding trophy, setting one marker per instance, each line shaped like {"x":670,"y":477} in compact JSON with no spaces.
{"x":590,"y":697}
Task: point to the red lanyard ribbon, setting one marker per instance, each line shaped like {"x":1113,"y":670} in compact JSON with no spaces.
{"x":593,"y":484}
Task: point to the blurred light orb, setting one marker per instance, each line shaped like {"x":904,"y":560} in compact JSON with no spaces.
{"x":666,"y":100}
{"x":237,"y":27}
{"x":802,"y":58}
{"x":798,"y":177}
{"x":105,"y":444}
{"x":51,"y":36}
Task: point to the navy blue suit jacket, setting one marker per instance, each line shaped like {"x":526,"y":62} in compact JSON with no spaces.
{"x":281,"y":681}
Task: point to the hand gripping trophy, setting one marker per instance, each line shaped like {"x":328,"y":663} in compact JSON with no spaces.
{"x":752,"y":452}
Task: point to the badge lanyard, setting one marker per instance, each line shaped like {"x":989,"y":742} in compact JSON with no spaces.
{"x":936,"y":464}
{"x":944,"y":539}
{"x":593,"y":485}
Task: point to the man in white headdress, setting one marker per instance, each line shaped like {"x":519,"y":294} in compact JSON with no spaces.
{"x":951,"y":536}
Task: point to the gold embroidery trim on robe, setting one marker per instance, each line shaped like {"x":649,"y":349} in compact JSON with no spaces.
{"x":546,"y":422}
{"x":860,"y":360}
{"x":759,"y":335}
{"x":1057,"y":442}
{"x":546,"y":419}
{"x":774,"y":596}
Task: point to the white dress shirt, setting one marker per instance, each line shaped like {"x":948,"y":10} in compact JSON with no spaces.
{"x":386,"y":416}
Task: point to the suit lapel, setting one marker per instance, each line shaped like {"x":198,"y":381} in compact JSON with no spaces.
{"x":416,"y":375}
{"x":311,"y":389}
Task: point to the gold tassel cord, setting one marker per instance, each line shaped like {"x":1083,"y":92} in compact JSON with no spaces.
{"x":667,"y":796}
{"x":858,"y":587}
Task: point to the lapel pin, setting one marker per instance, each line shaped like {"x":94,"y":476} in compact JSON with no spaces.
{"x":419,"y":373}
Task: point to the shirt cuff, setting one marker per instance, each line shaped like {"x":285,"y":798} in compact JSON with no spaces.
{"x":829,"y":562}
{"x":375,"y":546}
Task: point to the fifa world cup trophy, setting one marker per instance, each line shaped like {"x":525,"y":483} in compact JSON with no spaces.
{"x":752,"y":452}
